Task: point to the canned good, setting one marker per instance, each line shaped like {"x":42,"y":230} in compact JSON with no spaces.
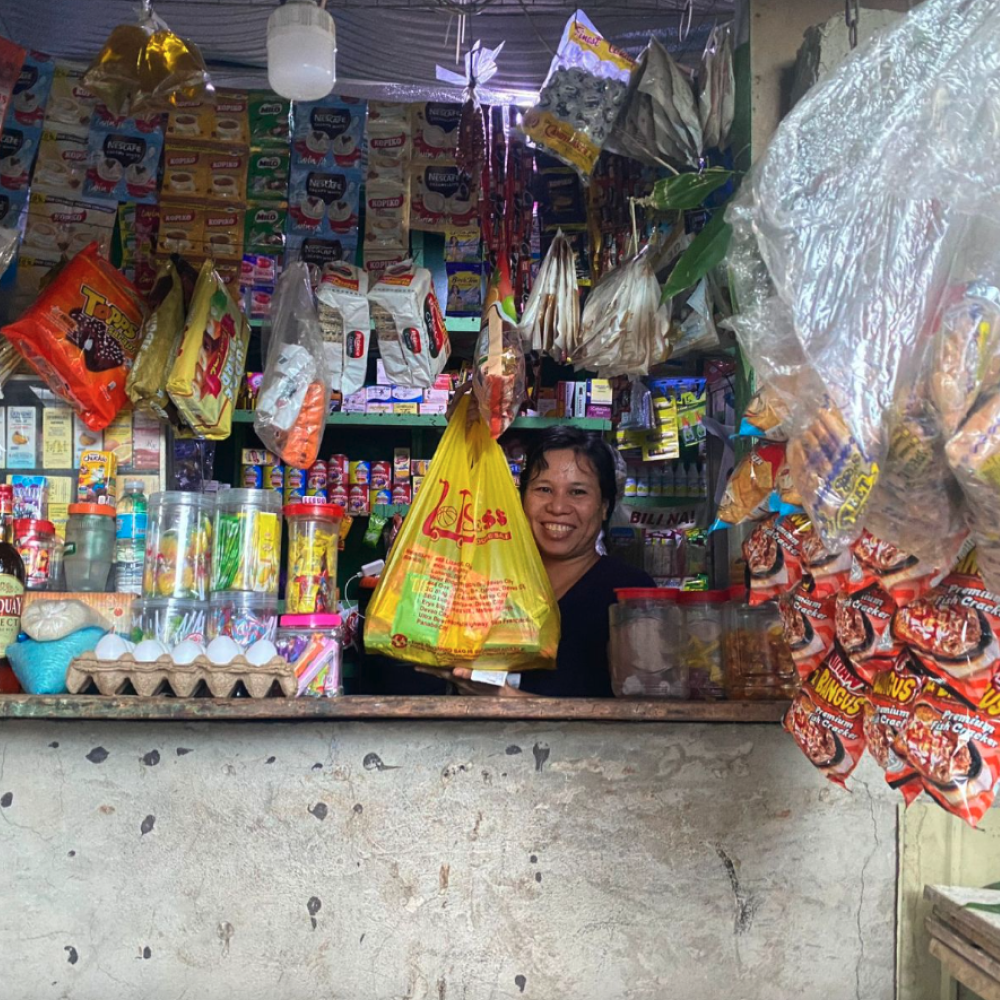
{"x":402,"y":494}
{"x":381,"y":475}
{"x":295,"y":484}
{"x":358,"y":499}
{"x":380,"y":498}
{"x":359,"y":474}
{"x":274,"y":477}
{"x":316,"y":480}
{"x":337,"y":471}
{"x":252,"y":477}
{"x":339,"y":496}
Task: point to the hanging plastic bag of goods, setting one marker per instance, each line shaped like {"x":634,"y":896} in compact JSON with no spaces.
{"x":866,"y":262}
{"x":498,"y":378}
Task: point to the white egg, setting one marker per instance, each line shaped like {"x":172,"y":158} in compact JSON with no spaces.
{"x":149,"y":651}
{"x":129,"y":645}
{"x":187,"y":652}
{"x":111,"y":647}
{"x":261,"y":652}
{"x":222,"y":650}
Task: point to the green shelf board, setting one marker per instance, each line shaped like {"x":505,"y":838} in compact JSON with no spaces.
{"x":438,"y":420}
{"x":653,"y":503}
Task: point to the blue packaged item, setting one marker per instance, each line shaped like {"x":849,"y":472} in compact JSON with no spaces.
{"x":123,"y":156}
{"x":329,"y":134}
{"x":324,"y":203}
{"x":40,"y":667}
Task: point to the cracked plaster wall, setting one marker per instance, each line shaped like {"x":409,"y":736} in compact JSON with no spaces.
{"x":375,"y":861}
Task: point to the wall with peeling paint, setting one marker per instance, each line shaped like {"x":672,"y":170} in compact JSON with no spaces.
{"x":380,"y":861}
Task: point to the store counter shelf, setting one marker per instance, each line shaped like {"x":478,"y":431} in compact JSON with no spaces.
{"x":436,"y":420}
{"x":162,"y":708}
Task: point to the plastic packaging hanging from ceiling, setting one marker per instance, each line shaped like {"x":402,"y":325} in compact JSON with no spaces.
{"x":869,"y":205}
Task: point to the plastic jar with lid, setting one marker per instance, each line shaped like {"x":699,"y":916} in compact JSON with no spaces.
{"x":178,"y":545}
{"x":89,"y":552}
{"x":169,"y":619}
{"x":314,"y":645}
{"x":41,"y":551}
{"x":759,"y":664}
{"x":245,"y":617}
{"x":247,"y":550}
{"x":643,"y":655}
{"x":702,"y":630}
{"x":313,"y":539}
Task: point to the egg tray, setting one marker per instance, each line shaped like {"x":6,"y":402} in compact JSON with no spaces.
{"x":111,"y":677}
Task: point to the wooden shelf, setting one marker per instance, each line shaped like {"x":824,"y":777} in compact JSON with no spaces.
{"x":374,"y":420}
{"x":131,"y":708}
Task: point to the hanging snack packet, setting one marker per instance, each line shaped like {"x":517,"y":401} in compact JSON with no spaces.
{"x":864,"y":628}
{"x":826,"y":718}
{"x":766,"y":416}
{"x":11,"y":61}
{"x":953,"y":629}
{"x":412,"y":337}
{"x":808,"y":624}
{"x":888,"y":713}
{"x":582,"y":96}
{"x":294,"y":396}
{"x":829,"y":571}
{"x":81,"y":336}
{"x":903,"y":575}
{"x":751,"y":485}
{"x":206,"y":374}
{"x":956,"y":749}
{"x":772,"y":554}
{"x":342,"y":305}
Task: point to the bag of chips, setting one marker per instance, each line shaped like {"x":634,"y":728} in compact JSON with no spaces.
{"x":953,"y":630}
{"x":903,"y":575}
{"x":751,"y":486}
{"x":808,"y":624}
{"x":206,"y":374}
{"x":887,"y":715}
{"x":829,"y":571}
{"x":864,"y":628}
{"x":765,"y":416}
{"x":956,"y":748}
{"x":81,"y":336}
{"x":772,"y":554}
{"x":826,"y":718}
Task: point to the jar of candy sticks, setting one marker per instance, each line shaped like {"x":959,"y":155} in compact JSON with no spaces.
{"x":247,"y":551}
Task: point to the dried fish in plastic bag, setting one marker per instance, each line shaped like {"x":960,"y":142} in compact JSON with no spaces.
{"x":624,"y":327}
{"x":551,"y":320}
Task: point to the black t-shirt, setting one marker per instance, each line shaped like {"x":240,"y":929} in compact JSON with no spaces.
{"x":582,"y":663}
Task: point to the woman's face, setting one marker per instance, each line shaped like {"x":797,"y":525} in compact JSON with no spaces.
{"x":564,"y":506}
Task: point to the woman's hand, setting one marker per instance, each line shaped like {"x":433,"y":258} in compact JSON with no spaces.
{"x":461,"y":678}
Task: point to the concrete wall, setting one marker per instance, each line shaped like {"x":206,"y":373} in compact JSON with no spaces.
{"x":370,"y":861}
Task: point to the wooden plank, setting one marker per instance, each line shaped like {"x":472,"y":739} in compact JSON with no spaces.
{"x":965,"y":972}
{"x":950,"y":907}
{"x":359,"y":707}
{"x":983,"y":961}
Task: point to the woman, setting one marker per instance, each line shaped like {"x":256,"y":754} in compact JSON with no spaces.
{"x":568,"y":490}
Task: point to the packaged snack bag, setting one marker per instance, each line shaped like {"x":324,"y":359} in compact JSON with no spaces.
{"x":772,"y":556}
{"x":888,"y":713}
{"x":955,"y":747}
{"x":953,"y":630}
{"x":206,"y":374}
{"x":830,"y":572}
{"x":751,"y":485}
{"x":464,"y":585}
{"x":903,"y":575}
{"x":765,"y":416}
{"x":342,"y":305}
{"x":826,"y":718}
{"x":81,"y":336}
{"x":808,"y":624}
{"x":864,"y":629}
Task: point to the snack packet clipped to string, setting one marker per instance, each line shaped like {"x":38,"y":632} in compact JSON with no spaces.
{"x":903,"y":575}
{"x":81,"y":336}
{"x":826,"y":718}
{"x":291,"y":408}
{"x":766,"y":416}
{"x":888,"y":713}
{"x":864,"y":629}
{"x":828,"y":571}
{"x":751,"y":485}
{"x":808,"y":624}
{"x":772,"y":553}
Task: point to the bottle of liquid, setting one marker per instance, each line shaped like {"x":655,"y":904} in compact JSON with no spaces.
{"x":12,"y":581}
{"x":130,"y":538}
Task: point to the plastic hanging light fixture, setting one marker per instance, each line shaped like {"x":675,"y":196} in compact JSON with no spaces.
{"x":301,"y":51}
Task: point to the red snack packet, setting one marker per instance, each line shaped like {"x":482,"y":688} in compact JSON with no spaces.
{"x":864,"y":630}
{"x":887,"y":714}
{"x":903,"y":575}
{"x":826,"y":718}
{"x":82,"y":334}
{"x":956,"y":749}
{"x":830,"y":571}
{"x":809,"y":627}
{"x":953,"y":633}
{"x":772,"y":555}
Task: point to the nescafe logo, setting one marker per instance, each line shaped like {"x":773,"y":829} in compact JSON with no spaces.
{"x":27,"y":79}
{"x":446,"y":181}
{"x":331,"y":121}
{"x":125,"y":150}
{"x":11,"y":140}
{"x":329,"y":187}
{"x":445,"y":116}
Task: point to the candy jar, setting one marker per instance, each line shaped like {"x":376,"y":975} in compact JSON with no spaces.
{"x":247,"y":550}
{"x":313,"y":536}
{"x":178,"y":545}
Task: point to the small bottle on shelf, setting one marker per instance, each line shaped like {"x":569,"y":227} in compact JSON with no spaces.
{"x":12,"y":576}
{"x":642,"y":480}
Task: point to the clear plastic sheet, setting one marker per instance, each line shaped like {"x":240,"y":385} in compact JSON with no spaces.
{"x":875,"y":200}
{"x":294,"y":396}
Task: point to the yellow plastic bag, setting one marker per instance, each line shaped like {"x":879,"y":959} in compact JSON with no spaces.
{"x":464,"y":585}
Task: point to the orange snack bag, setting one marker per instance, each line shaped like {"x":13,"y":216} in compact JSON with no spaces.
{"x":82,"y":334}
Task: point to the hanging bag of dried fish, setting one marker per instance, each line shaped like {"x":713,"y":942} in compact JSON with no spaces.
{"x":550,"y":323}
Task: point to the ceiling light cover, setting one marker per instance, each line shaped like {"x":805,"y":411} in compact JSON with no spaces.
{"x":301,"y":51}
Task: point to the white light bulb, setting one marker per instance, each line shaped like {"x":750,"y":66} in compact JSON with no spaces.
{"x":301,"y":51}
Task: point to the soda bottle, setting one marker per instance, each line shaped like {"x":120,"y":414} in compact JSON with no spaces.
{"x":130,"y":538}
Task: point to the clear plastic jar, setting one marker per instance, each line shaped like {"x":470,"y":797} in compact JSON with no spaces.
{"x":245,"y":618}
{"x":701,"y":641}
{"x":89,"y":552}
{"x":41,"y":552}
{"x":645,"y":629}
{"x":247,"y":552}
{"x":178,"y":545}
{"x":314,"y":645}
{"x":759,"y":665}
{"x":169,"y":619}
{"x":313,"y":538}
